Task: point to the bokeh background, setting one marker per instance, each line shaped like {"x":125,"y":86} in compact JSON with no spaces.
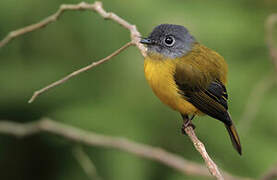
{"x":114,"y":98}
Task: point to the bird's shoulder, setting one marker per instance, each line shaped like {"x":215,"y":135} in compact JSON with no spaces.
{"x":200,"y":67}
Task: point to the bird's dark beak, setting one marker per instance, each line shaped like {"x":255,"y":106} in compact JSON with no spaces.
{"x":146,"y":41}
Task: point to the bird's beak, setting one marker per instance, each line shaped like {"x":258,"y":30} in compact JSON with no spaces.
{"x":146,"y":41}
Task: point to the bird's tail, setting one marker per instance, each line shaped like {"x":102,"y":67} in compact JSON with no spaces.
{"x":233,"y":135}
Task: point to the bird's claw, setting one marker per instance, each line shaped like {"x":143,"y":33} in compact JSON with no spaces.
{"x":185,"y":125}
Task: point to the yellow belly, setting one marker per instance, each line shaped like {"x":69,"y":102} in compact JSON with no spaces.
{"x":159,"y":75}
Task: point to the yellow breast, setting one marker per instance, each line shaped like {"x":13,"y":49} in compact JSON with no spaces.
{"x":160,"y":76}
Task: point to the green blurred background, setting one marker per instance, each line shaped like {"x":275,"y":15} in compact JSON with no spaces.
{"x":114,"y":98}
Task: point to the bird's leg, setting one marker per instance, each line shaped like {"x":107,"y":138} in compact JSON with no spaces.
{"x":187,"y":122}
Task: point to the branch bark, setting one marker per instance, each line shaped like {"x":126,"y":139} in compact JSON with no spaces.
{"x":97,"y":7}
{"x":199,"y":146}
{"x":93,"y":139}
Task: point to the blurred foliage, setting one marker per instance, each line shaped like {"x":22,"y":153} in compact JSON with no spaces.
{"x":114,"y":98}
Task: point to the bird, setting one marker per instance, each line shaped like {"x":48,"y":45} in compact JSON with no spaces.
{"x":187,"y":76}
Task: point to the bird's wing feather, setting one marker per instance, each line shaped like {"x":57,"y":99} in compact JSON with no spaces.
{"x":217,"y":91}
{"x":210,"y":99}
{"x":200,"y":77}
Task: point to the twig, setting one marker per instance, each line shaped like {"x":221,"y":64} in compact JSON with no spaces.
{"x":97,"y":7}
{"x":92,"y":139}
{"x":271,"y":174}
{"x":86,"y":163}
{"x":199,"y":146}
{"x":45,"y":22}
{"x":75,"y":73}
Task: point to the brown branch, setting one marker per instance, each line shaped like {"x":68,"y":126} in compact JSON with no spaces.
{"x":75,"y":73}
{"x":271,"y":174}
{"x":199,"y":146}
{"x":93,"y":139}
{"x":45,"y":22}
{"x":97,"y":7}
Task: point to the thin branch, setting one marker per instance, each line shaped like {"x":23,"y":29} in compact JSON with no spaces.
{"x":19,"y":32}
{"x":75,"y":73}
{"x":93,"y":139}
{"x":199,"y":146}
{"x":271,"y":174}
{"x":86,"y":163}
{"x":134,"y":33}
{"x":97,"y":7}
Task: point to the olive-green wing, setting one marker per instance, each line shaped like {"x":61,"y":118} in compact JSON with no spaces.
{"x":200,"y":77}
{"x":211,"y":100}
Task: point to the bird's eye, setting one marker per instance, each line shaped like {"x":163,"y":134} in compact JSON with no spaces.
{"x":169,"y":41}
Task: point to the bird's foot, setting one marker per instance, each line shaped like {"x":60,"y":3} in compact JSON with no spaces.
{"x":186,"y":124}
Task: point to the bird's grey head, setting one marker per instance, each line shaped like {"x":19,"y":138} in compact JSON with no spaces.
{"x":169,"y":40}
